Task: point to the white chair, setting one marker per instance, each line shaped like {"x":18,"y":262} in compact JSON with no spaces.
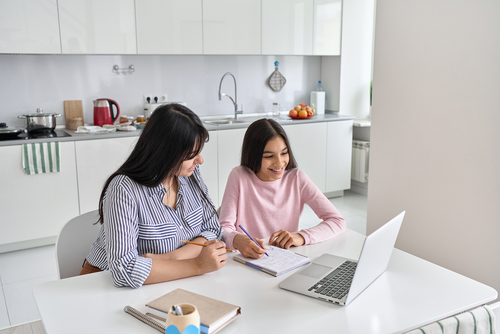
{"x":74,"y":242}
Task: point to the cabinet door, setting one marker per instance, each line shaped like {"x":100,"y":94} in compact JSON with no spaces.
{"x":231,"y":27}
{"x":287,"y":27}
{"x":308,"y":143}
{"x":96,"y":161}
{"x":97,"y":26}
{"x":339,"y":150}
{"x":36,"y":206}
{"x":169,"y":27}
{"x":29,"y":26}
{"x":327,"y":27}
{"x":209,"y":167}
{"x":229,"y":154}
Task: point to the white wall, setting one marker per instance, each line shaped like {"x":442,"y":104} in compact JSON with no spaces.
{"x":31,"y":81}
{"x":435,"y":138}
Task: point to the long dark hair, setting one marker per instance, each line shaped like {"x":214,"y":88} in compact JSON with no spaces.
{"x":255,"y":141}
{"x":167,"y":140}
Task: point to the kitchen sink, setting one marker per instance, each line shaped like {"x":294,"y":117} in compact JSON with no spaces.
{"x":224,"y":121}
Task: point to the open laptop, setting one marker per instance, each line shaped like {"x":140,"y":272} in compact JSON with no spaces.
{"x":339,"y":280}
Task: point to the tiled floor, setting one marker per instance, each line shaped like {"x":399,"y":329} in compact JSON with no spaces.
{"x":21,"y":271}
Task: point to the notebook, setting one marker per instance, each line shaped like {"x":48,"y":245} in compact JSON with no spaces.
{"x":278,"y":262}
{"x":214,"y":314}
{"x":328,"y":277}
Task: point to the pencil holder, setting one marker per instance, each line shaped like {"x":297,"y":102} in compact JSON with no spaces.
{"x":189,"y":323}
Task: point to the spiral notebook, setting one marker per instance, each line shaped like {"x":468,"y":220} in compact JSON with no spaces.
{"x":278,"y":262}
{"x":214,"y":314}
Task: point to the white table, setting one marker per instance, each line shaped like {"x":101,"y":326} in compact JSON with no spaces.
{"x":411,"y":293}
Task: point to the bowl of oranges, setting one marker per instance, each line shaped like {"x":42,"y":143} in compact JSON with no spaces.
{"x":301,"y":111}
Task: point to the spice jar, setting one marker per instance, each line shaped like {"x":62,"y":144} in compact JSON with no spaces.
{"x":123,"y":119}
{"x":140,"y":118}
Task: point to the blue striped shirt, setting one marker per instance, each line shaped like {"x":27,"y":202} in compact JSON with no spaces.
{"x":136,"y":222}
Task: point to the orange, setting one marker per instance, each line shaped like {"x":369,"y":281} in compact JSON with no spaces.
{"x":293,"y":113}
{"x":303,"y":113}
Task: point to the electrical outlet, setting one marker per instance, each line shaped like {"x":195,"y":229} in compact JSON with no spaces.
{"x":160,"y":98}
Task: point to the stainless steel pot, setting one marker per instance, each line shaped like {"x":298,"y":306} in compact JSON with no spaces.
{"x":40,"y":121}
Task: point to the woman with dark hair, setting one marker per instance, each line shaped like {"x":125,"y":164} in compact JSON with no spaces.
{"x":267,"y":193}
{"x":153,"y":201}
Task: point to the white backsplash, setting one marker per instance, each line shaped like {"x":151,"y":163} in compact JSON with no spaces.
{"x":28,"y":82}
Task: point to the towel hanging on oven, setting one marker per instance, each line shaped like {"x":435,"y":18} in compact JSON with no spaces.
{"x":41,"y":158}
{"x":277,"y":80}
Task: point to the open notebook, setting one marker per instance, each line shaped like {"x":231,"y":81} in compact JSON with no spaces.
{"x":277,"y":263}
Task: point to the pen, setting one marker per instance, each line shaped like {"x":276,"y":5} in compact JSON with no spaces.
{"x":252,"y":238}
{"x":203,"y":245}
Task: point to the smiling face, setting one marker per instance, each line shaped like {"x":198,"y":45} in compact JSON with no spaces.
{"x":275,"y":158}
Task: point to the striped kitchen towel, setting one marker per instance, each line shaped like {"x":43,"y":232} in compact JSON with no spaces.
{"x":41,"y":158}
{"x":480,"y":320}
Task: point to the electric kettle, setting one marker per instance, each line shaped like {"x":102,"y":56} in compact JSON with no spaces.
{"x":103,"y":113}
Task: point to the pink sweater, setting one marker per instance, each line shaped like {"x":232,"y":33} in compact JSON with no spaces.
{"x":264,"y":207}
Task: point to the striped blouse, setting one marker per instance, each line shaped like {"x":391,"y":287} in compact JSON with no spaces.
{"x":136,"y":222}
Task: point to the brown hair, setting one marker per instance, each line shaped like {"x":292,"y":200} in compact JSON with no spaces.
{"x":255,"y":141}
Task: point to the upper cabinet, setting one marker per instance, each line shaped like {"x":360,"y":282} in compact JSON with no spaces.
{"x":169,"y":27}
{"x":232,"y":27}
{"x":287,"y":27}
{"x":97,"y":26}
{"x":327,"y":27}
{"x":29,"y":26}
{"x":211,"y":27}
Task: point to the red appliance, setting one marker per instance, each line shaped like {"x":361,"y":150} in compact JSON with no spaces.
{"x":103,"y":113}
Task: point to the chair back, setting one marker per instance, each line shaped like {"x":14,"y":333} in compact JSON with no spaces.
{"x":74,"y":242}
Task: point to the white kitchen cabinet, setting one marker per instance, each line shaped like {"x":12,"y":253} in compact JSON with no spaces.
{"x":327,"y":27}
{"x":97,"y":26}
{"x":209,"y":168}
{"x":229,"y":154}
{"x":169,"y":27}
{"x":308,"y":143}
{"x":36,"y":206}
{"x":29,"y":26}
{"x":96,"y":161}
{"x":338,"y":156}
{"x":287,"y":27}
{"x":232,"y":27}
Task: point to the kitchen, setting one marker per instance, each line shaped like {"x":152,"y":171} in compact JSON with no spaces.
{"x":401,"y":192}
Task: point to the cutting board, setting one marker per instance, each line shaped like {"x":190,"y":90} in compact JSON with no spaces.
{"x":73,"y":109}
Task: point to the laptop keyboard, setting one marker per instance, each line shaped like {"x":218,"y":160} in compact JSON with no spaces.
{"x":337,"y":283}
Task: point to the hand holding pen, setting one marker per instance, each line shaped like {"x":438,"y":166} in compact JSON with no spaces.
{"x":246,"y":246}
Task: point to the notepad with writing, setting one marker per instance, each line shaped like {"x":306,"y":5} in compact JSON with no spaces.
{"x":278,"y":262}
{"x":214,"y":314}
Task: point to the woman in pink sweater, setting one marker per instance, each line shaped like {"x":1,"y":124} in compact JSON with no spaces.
{"x":267,"y":193}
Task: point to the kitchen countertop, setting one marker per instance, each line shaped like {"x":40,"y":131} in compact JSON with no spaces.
{"x":249,"y":118}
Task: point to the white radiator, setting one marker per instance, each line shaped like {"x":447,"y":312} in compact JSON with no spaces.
{"x":360,"y":160}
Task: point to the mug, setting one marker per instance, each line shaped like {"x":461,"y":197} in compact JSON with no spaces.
{"x":188,"y":323}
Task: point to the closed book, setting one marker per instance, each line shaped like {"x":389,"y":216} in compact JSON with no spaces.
{"x":278,"y":262}
{"x":214,"y":314}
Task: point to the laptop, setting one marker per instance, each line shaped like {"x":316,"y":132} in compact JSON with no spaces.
{"x":339,"y":280}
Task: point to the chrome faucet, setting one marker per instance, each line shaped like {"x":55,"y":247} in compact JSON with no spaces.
{"x":235,"y":101}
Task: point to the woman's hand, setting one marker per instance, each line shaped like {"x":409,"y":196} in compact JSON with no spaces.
{"x":213,"y":257}
{"x":285,"y":239}
{"x":248,"y":248}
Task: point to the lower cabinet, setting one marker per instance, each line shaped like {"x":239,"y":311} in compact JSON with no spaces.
{"x":228,"y":155}
{"x":96,"y":161}
{"x":36,"y":206}
{"x":209,"y":168}
{"x":308,"y":143}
